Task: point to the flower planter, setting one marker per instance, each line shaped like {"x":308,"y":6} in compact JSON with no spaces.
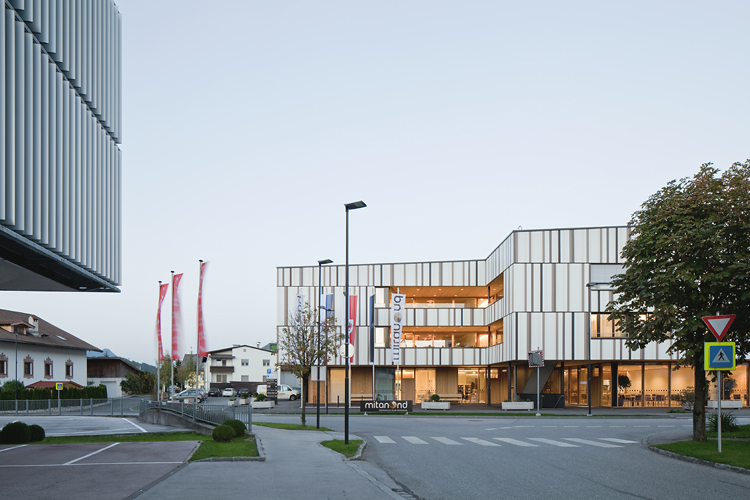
{"x":232,"y":402}
{"x":726,"y":404}
{"x":244,"y":401}
{"x":518,"y":405}
{"x":436,"y":405}
{"x":259,"y":405}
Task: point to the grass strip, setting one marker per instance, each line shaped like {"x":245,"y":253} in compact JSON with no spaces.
{"x":291,"y":427}
{"x":244,"y":446}
{"x":736,"y":453}
{"x":127,"y":438}
{"x":742,"y":433}
{"x":337,"y":445}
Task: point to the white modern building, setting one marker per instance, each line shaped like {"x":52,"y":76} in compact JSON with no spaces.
{"x":240,"y":366}
{"x":39,"y":354}
{"x":60,"y":163}
{"x":469,"y":326}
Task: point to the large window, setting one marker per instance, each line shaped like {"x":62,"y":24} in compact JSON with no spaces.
{"x":28,"y":367}
{"x":48,"y":368}
{"x":68,"y":369}
{"x":3,"y":366}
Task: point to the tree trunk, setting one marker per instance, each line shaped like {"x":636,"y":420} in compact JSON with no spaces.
{"x":302,"y":397}
{"x":699,"y":406}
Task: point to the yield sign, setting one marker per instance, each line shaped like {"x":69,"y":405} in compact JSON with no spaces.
{"x":719,"y":325}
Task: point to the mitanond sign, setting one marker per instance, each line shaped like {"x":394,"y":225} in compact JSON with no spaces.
{"x":385,"y":406}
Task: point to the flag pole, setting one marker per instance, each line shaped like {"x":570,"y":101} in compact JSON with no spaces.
{"x":158,"y":361}
{"x":198,"y":339}
{"x":171,"y":357}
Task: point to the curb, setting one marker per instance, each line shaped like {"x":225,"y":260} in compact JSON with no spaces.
{"x":698,"y":461}
{"x":260,"y":458}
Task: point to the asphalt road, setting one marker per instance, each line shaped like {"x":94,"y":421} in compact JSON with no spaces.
{"x":479,"y":458}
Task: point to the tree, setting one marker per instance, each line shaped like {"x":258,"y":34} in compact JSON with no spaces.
{"x":298,"y":345}
{"x":165,"y":371}
{"x":689,"y":257}
{"x":138,"y":383}
{"x":184,"y":373}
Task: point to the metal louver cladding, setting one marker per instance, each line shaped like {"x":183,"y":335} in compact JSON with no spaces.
{"x":60,"y":163}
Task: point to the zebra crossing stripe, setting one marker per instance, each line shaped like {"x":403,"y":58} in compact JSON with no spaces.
{"x":592,"y":443}
{"x":615,"y":440}
{"x":414,"y":440}
{"x":445,"y":440}
{"x":480,"y":441}
{"x":384,"y":439}
{"x":555,"y":443}
{"x":517,"y":442}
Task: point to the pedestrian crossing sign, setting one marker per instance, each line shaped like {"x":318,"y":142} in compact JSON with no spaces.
{"x":719,"y":356}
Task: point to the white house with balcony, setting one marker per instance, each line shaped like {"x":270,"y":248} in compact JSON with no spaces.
{"x":240,"y":366}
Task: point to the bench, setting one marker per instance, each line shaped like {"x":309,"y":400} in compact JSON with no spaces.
{"x":451,"y":398}
{"x":361,"y":397}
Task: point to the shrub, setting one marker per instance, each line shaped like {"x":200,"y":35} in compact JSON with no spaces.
{"x":238,"y":426}
{"x":15,"y":433}
{"x":223,"y":434}
{"x":728,"y":422}
{"x":435,"y":397}
{"x":260,"y":397}
{"x":36,"y":433}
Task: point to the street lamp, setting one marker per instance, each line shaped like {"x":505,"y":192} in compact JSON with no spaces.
{"x":591,"y":285}
{"x":347,"y":206}
{"x":320,"y":295}
{"x":16,"y":385}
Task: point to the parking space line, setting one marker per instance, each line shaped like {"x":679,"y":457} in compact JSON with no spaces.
{"x":90,"y":454}
{"x":85,"y":465}
{"x":133,"y":423}
{"x":8,"y":449}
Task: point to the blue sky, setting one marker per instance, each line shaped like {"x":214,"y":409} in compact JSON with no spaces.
{"x":247,"y":125}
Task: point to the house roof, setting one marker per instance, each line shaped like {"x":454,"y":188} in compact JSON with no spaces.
{"x":49,"y":384}
{"x":217,"y":351}
{"x":49,"y":334}
{"x":103,"y":359}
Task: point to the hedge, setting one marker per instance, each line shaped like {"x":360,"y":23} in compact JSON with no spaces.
{"x":90,"y":392}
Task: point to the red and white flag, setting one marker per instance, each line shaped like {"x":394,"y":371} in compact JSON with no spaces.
{"x":162,"y":295}
{"x":176,"y":317}
{"x":352,"y":324}
{"x":201,"y":331}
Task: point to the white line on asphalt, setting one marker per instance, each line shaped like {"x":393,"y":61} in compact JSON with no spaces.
{"x":665,"y":426}
{"x":86,"y":465}
{"x":90,"y":454}
{"x":384,"y":439}
{"x":517,"y":442}
{"x":13,"y":448}
{"x":414,"y":440}
{"x":592,"y":443}
{"x":481,"y":442}
{"x":445,"y":440}
{"x":133,"y":423}
{"x":492,"y":429}
{"x":85,"y":433}
{"x":615,"y":440}
{"x":555,"y":443}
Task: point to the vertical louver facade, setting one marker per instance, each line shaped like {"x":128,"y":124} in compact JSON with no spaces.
{"x":60,"y":163}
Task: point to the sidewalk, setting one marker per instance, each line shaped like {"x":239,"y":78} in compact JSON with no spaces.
{"x":296,"y":466}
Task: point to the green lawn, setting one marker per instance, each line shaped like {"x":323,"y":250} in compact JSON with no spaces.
{"x":735,"y":453}
{"x":244,"y":446}
{"x":291,"y":427}
{"x":743,"y":433}
{"x":337,"y":445}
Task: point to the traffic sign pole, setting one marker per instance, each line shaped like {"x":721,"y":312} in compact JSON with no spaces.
{"x":719,"y":326}
{"x":719,"y":405}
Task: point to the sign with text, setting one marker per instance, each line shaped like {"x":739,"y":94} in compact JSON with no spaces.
{"x":398,"y":313}
{"x":272,"y":391}
{"x":386,"y":406}
{"x":719,"y":356}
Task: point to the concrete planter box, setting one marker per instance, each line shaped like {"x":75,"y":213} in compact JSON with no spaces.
{"x":726,"y":404}
{"x":260,"y":405}
{"x":518,"y":405}
{"x":436,"y":405}
{"x":244,"y":401}
{"x":232,"y":403}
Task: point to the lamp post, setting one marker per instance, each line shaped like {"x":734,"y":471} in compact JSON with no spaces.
{"x":320,"y":295}
{"x":16,"y":385}
{"x":347,"y":206}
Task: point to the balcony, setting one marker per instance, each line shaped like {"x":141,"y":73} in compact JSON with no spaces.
{"x":222,"y":369}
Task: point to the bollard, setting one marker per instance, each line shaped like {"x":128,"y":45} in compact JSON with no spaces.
{"x":91,"y":402}
{"x":81,"y":405}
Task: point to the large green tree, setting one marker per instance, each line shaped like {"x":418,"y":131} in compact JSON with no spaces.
{"x":689,"y":257}
{"x":300,"y":347}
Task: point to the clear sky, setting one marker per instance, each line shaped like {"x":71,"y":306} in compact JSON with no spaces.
{"x":248,"y":124}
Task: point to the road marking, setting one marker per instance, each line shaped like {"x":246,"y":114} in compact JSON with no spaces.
{"x":86,"y":465}
{"x":517,"y":442}
{"x":592,"y":443}
{"x":414,"y":440}
{"x":13,"y":448}
{"x":615,"y":440}
{"x":384,"y":439}
{"x":555,"y":443}
{"x":481,"y":442}
{"x":134,"y":424}
{"x":90,"y":454}
{"x":445,"y":440}
{"x":85,"y":433}
{"x":665,"y":426}
{"x":492,"y":429}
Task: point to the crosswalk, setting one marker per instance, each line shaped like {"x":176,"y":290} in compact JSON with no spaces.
{"x":500,"y":441}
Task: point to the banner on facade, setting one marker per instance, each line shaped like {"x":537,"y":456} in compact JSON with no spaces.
{"x":176,"y":317}
{"x":202,"y":351}
{"x":398,"y":313}
{"x":162,"y":296}
{"x":352,"y":324}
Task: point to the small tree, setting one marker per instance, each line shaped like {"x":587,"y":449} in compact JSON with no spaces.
{"x":689,"y":257}
{"x":184,"y":374}
{"x":298,"y":345}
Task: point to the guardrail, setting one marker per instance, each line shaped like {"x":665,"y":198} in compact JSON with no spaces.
{"x":81,"y":406}
{"x":211,"y":414}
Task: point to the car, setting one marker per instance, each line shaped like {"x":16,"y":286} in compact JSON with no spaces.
{"x":213,"y":393}
{"x":188,"y":394}
{"x":228,"y":392}
{"x":283,"y":392}
{"x":243,"y":393}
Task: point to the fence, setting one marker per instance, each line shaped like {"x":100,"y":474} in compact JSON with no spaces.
{"x":81,"y":406}
{"x":211,"y":414}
